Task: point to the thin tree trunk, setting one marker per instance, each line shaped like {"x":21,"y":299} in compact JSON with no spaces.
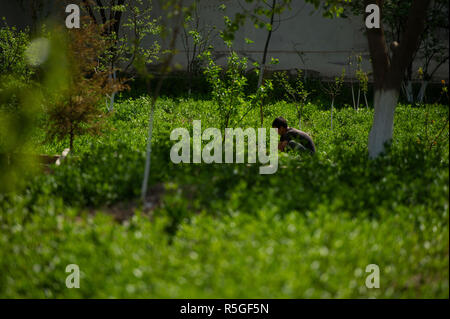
{"x":189,"y":83}
{"x":263,"y":62}
{"x":423,"y":88}
{"x":111,"y":102}
{"x":112,"y":97}
{"x":164,"y":69}
{"x":332,"y":105}
{"x":359,"y":95}
{"x":439,"y":134}
{"x":409,"y":92}
{"x":71,"y":140}
{"x":365,"y":99}
{"x":299,"y":119}
{"x":148,"y":154}
{"x":383,"y":121}
{"x":353,"y":97}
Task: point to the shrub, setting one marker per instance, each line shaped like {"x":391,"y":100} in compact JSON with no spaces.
{"x":13,"y":46}
{"x":74,"y":109}
{"x":224,"y":231}
{"x":227,"y":87}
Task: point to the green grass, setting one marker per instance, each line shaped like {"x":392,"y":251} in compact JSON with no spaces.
{"x":225,"y":231}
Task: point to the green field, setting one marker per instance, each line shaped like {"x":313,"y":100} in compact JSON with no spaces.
{"x":224,"y":230}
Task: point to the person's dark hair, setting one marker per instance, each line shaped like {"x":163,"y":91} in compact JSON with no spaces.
{"x":279,"y":122}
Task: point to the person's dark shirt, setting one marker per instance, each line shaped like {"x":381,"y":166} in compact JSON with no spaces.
{"x":295,"y":137}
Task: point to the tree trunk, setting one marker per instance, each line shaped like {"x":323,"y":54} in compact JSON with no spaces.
{"x":409,"y":92}
{"x":263,"y":62}
{"x":71,"y":140}
{"x":365,"y":99}
{"x":383,"y":121}
{"x":332,"y":104}
{"x":111,"y":100}
{"x":359,"y":95}
{"x":299,"y":119}
{"x":389,"y":73}
{"x":422,"y":91}
{"x":189,"y":83}
{"x":353,"y":97}
{"x":148,"y":155}
{"x":164,"y":69}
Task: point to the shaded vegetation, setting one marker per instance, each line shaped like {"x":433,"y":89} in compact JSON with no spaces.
{"x":224,"y":230}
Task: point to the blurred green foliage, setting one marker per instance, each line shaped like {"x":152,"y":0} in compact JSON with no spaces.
{"x":227,"y":87}
{"x":13,"y":47}
{"x":296,"y":93}
{"x":18,"y":104}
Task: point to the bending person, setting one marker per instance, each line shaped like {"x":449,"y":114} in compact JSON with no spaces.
{"x":295,"y":139}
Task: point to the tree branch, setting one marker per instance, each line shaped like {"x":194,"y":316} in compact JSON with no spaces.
{"x":410,"y":41}
{"x":378,"y":49}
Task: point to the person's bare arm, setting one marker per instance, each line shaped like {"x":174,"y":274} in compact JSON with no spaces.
{"x":282,"y":145}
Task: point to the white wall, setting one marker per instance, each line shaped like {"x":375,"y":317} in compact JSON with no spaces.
{"x":326,"y":43}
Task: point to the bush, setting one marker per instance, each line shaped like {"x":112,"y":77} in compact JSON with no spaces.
{"x":13,"y":46}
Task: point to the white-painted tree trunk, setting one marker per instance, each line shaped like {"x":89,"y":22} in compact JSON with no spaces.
{"x":353,"y":98}
{"x":385,"y":102}
{"x":332,"y":105}
{"x":111,"y":102}
{"x":148,"y":155}
{"x":423,"y":88}
{"x":359,"y":96}
{"x":299,"y":120}
{"x":113,"y":95}
{"x":261,"y":73}
{"x":260,"y":79}
{"x":409,"y":92}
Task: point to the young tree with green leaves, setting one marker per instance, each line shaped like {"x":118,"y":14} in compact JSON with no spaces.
{"x":363,"y":82}
{"x":13,"y":47}
{"x":174,"y":14}
{"x":434,"y":48}
{"x":74,"y":109}
{"x":263,"y":14}
{"x":333,"y":89}
{"x":37,"y":11}
{"x":433,"y":40}
{"x":108,"y":14}
{"x":139,"y":26}
{"x":126,"y":24}
{"x":227,"y":86}
{"x":297,"y":94}
{"x":19,"y":104}
{"x":197,"y":38}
